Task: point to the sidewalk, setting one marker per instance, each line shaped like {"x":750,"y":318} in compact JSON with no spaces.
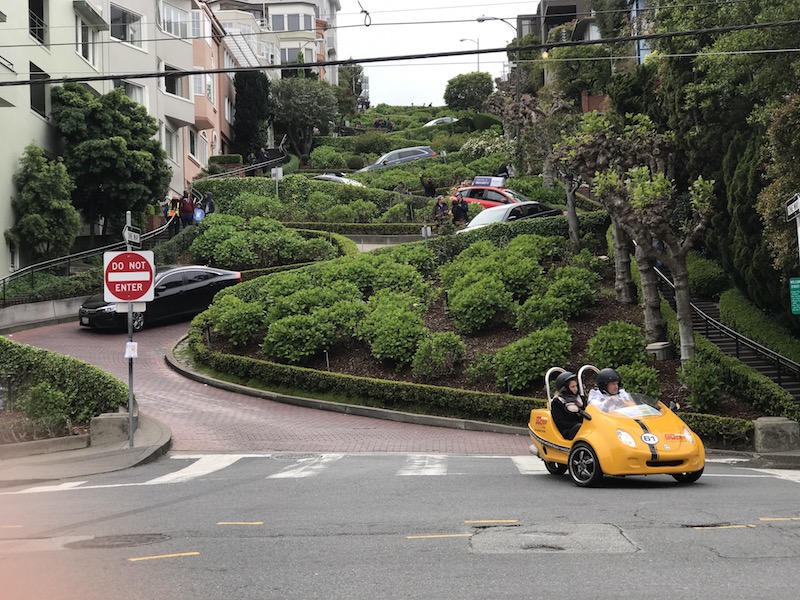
{"x":151,"y":440}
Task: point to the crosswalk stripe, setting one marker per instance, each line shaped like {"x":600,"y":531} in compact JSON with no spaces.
{"x":424,"y":464}
{"x":307,"y":467}
{"x":529,"y":465}
{"x":202,"y":466}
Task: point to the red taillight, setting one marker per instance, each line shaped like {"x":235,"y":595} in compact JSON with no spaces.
{"x":238,"y":276}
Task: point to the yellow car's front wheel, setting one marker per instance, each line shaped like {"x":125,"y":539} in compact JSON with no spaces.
{"x":584,"y":467}
{"x":688,"y":477}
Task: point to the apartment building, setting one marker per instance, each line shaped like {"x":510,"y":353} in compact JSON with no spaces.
{"x":117,"y":39}
{"x":299,"y":28}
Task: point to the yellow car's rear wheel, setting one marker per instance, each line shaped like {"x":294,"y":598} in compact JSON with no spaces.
{"x":584,"y":467}
{"x":555,"y":468}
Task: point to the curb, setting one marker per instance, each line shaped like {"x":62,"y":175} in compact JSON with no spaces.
{"x":348,"y":409}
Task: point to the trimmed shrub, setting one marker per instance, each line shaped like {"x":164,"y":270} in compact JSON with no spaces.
{"x":45,"y":406}
{"x":342,"y":319}
{"x":325,"y":157}
{"x":372,"y":142}
{"x":524,"y":361}
{"x":238,"y":321}
{"x":617,"y":344}
{"x":438,"y":356}
{"x":393,"y":333}
{"x":638,"y":377}
{"x":704,"y":380}
{"x":706,"y":277}
{"x":355,"y":162}
{"x":294,"y":338}
{"x":477,"y":304}
{"x":481,"y":369}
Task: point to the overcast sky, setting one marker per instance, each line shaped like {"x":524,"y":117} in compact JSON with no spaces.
{"x":422,"y":26}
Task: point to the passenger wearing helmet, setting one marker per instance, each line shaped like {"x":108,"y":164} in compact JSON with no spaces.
{"x":566,"y":405}
{"x":609,"y":395}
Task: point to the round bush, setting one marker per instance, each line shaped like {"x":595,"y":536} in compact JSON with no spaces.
{"x":325,"y":157}
{"x":294,"y":338}
{"x":393,"y":334}
{"x":617,"y":344}
{"x":355,"y":162}
{"x":638,"y":377}
{"x":704,"y":380}
{"x":475,"y":306}
{"x":438,"y":356}
{"x":524,"y":361}
{"x":706,"y":277}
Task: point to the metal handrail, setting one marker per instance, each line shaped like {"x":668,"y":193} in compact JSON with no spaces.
{"x":770,"y":355}
{"x":30,"y":270}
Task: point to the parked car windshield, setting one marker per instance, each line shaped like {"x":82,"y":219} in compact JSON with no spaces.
{"x":487,"y":216}
{"x":517,"y":196}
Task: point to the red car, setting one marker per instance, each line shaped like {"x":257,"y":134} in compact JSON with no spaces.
{"x":488,"y":196}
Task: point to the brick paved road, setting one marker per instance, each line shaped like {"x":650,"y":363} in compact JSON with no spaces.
{"x":207,"y":419}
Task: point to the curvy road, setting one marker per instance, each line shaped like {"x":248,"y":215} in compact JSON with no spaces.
{"x":207,"y":419}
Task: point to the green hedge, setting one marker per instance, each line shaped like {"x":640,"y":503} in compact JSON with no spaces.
{"x":738,"y":313}
{"x":362,"y":228}
{"x":89,"y":390}
{"x":410,"y":397}
{"x":225,"y":159}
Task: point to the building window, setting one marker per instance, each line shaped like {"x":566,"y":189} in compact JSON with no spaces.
{"x":293,"y":23}
{"x":170,"y":142}
{"x":309,"y":55}
{"x":308,"y":23}
{"x":210,"y":88}
{"x":289,"y":55}
{"x":175,"y":84}
{"x":38,"y":90}
{"x":37,"y":20}
{"x":229,"y":64}
{"x":202,"y":148}
{"x":277,"y":23}
{"x":229,"y":110}
{"x":132,"y":91}
{"x":198,"y":83}
{"x":193,"y":142}
{"x":201,"y":26}
{"x":126,"y":26}
{"x":174,"y":20}
{"x":85,"y":38}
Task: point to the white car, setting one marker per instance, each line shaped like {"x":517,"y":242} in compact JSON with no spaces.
{"x":440,"y":121}
{"x":339,"y":178}
{"x":506,"y":213}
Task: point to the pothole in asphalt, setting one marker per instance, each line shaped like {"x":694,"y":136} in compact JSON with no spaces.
{"x":569,"y":538}
{"x":118,"y":541}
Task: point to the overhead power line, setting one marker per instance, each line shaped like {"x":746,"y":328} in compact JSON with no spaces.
{"x":361,"y":61}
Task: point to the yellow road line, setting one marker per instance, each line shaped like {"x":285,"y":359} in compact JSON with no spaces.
{"x":779,"y":519}
{"x":444,"y":535}
{"x":724,"y":526}
{"x":240,"y":523}
{"x":492,"y":521}
{"x":164,"y":556}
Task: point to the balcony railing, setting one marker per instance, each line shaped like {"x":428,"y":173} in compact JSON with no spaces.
{"x":37,"y":27}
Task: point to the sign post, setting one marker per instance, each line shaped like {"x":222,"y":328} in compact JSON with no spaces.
{"x":127,"y":278}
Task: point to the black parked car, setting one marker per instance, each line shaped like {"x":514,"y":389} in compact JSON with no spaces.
{"x":180,"y":291}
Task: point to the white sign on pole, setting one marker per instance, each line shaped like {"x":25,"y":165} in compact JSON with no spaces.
{"x":793,"y":207}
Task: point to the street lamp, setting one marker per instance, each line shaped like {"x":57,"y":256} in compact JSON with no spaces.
{"x":478,"y":44}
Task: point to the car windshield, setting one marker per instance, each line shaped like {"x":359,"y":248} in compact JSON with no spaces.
{"x":517,"y":196}
{"x":638,"y":405}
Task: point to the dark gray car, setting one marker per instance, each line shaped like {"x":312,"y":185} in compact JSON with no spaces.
{"x":396,"y":157}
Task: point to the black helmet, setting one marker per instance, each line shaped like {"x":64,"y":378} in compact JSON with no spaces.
{"x":563,"y":379}
{"x":606,"y":376}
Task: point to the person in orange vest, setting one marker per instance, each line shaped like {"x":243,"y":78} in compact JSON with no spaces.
{"x":173,"y":214}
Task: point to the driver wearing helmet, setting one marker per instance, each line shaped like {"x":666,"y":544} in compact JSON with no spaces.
{"x":566,"y":404}
{"x":609,"y":395}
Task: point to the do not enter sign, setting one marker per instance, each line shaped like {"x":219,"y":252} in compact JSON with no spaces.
{"x":128,"y":276}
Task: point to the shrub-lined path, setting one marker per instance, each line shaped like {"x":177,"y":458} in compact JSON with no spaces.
{"x":208,"y":419}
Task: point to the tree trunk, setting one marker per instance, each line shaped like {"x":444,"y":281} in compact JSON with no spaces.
{"x":572,"y":217}
{"x":655,"y":329}
{"x":623,"y":282}
{"x":680,"y":277}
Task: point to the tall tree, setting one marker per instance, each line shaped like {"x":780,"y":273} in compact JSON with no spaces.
{"x":301,"y":105}
{"x":253,"y":111}
{"x":628,"y":167}
{"x":47,"y":222}
{"x":112,"y":153}
{"x":468,"y":91}
{"x":351,"y":78}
